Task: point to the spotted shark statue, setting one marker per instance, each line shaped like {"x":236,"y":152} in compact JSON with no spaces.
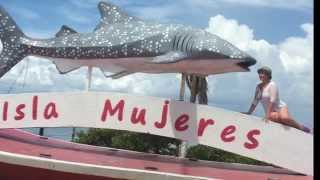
{"x":122,"y":44}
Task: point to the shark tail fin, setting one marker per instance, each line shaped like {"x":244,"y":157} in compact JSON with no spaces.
{"x":10,"y":51}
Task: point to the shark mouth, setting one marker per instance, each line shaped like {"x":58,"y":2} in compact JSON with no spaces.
{"x":247,"y":63}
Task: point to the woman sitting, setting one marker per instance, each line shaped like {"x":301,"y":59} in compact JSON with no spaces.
{"x":275,"y":109}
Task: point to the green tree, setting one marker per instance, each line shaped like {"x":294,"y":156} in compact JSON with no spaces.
{"x":129,"y":140}
{"x":212,"y":154}
{"x":156,"y":144}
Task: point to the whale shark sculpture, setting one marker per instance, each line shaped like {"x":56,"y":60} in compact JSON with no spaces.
{"x":122,"y":44}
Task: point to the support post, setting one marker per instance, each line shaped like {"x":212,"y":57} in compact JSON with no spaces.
{"x":73,"y":134}
{"x":182,"y":87}
{"x":89,"y":76}
{"x":88,"y":86}
{"x":184,"y":144}
{"x":41,"y":131}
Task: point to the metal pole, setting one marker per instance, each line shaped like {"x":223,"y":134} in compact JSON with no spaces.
{"x":88,"y":86}
{"x":182,"y":87}
{"x":89,"y":75}
{"x":41,"y":131}
{"x":184,"y":144}
{"x":73,"y":133}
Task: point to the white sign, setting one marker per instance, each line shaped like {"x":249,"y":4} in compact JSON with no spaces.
{"x":198,"y":124}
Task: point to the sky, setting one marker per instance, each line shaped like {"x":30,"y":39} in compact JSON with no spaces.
{"x":278,"y":33}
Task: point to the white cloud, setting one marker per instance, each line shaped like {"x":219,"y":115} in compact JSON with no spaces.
{"x":140,"y":84}
{"x":297,"y":52}
{"x":37,"y":74}
{"x":231,"y":30}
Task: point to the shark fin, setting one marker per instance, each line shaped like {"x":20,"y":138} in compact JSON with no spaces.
{"x":170,"y":57}
{"x":117,"y":75}
{"x":11,"y":51}
{"x":65,"y":66}
{"x":64,"y":31}
{"x":111,"y":14}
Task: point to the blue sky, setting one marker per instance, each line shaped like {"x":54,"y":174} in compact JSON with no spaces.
{"x":270,"y":21}
{"x":278,"y":33}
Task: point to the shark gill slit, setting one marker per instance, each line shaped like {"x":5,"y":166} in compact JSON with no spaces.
{"x":173,"y":42}
{"x":183,"y":42}
{"x":192,"y":46}
{"x":177,"y":43}
{"x":189,"y":43}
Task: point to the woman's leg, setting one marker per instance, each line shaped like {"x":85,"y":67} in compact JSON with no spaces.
{"x":286,"y":119}
{"x":275,"y":117}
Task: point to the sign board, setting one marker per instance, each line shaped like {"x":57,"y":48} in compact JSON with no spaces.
{"x":198,"y":124}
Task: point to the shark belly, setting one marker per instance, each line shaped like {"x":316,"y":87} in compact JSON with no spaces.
{"x":145,"y":65}
{"x":113,"y":65}
{"x":189,"y":66}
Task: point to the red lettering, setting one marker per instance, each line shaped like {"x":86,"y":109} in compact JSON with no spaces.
{"x":203,"y":124}
{"x":108,"y":108}
{"x":140,"y":118}
{"x":34,"y":107}
{"x":228,"y":131}
{"x":20,"y":113}
{"x":50,"y":111}
{"x":253,"y":142}
{"x":163,"y":121}
{"x":180,"y":123}
{"x":5,"y":111}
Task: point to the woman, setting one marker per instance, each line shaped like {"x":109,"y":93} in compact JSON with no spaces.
{"x":275,"y":109}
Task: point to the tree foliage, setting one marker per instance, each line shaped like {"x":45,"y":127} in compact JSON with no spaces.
{"x":212,"y":154}
{"x":129,"y":140}
{"x":156,"y":144}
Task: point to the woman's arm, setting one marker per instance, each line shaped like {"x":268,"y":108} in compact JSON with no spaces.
{"x":254,"y":102}
{"x":251,"y":109}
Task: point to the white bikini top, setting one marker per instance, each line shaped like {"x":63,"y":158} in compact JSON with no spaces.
{"x":268,"y":94}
